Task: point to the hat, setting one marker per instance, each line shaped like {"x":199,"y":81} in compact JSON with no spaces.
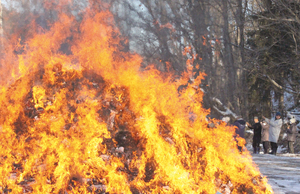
{"x":278,"y":114}
{"x":293,"y":120}
{"x":255,"y":117}
{"x":226,"y":119}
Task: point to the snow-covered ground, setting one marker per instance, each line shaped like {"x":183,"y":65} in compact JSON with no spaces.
{"x":282,"y":171}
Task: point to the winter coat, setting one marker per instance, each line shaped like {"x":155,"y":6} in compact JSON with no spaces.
{"x":241,"y":125}
{"x":265,"y":131}
{"x":292,"y":132}
{"x":274,"y":131}
{"x":257,"y":131}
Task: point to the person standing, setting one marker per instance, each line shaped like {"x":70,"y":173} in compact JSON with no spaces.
{"x":274,"y":131}
{"x":240,"y":130}
{"x":256,"y":127}
{"x":291,"y":134}
{"x":265,"y":136}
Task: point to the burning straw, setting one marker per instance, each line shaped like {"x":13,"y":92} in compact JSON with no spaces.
{"x":92,"y":122}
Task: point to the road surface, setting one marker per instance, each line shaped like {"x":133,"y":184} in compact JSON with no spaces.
{"x":282,"y":171}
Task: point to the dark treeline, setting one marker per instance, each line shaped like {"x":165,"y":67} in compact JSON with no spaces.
{"x":249,"y":49}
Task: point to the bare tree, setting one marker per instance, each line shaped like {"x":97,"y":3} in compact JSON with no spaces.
{"x":217,"y":34}
{"x":208,"y":28}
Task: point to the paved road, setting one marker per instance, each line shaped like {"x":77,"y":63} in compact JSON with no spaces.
{"x":282,"y":171}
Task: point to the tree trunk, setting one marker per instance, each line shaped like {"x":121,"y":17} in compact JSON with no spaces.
{"x":229,"y":62}
{"x":1,"y":25}
{"x":242,"y":87}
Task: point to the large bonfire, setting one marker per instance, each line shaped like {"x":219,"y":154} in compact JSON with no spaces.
{"x":94,"y":122}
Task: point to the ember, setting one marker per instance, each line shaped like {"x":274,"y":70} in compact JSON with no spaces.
{"x":92,"y":122}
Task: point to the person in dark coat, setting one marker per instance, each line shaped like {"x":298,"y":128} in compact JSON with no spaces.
{"x":240,"y":130}
{"x":291,"y":134}
{"x":256,"y":127}
{"x":265,"y":136}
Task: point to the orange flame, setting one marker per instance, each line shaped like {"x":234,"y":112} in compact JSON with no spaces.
{"x":92,"y":121}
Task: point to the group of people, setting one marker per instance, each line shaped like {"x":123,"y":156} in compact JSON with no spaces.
{"x":267,"y":131}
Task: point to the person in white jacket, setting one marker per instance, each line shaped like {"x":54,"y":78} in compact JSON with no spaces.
{"x":274,"y":131}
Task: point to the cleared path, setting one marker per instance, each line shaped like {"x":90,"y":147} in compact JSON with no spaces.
{"x":282,"y":171}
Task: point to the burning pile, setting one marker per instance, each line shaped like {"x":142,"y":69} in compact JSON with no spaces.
{"x":93,"y":122}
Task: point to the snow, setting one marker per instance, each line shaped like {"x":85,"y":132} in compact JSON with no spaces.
{"x":282,"y":171}
{"x":227,"y":110}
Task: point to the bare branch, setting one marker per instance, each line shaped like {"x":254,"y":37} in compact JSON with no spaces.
{"x":274,"y":82}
